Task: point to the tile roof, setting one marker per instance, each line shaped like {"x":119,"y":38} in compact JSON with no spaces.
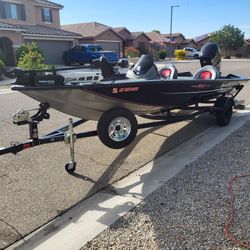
{"x":38,"y":30}
{"x":9,"y":26}
{"x":188,"y":40}
{"x":174,"y":35}
{"x":119,"y":29}
{"x":156,"y":37}
{"x":202,"y":37}
{"x":48,"y":3}
{"x":90,"y":30}
{"x":134,"y":35}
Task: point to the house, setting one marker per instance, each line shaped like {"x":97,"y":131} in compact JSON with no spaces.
{"x":33,"y":20}
{"x":176,"y":38}
{"x":123,"y":32}
{"x":188,"y":42}
{"x":138,"y":40}
{"x":201,"y":40}
{"x":97,"y":33}
{"x":159,"y":42}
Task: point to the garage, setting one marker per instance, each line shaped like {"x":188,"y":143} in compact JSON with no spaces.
{"x":111,"y":46}
{"x":53,"y":50}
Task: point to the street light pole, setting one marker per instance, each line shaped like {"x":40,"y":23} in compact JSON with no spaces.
{"x":171,"y":23}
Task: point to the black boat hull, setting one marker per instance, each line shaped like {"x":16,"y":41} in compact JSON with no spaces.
{"x":90,"y":101}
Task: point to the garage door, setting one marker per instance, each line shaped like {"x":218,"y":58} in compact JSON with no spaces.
{"x":111,"y":46}
{"x":53,"y":50}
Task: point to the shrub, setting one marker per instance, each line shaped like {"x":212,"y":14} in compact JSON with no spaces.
{"x":2,"y":65}
{"x":227,"y":57}
{"x":24,"y":48}
{"x":1,"y":55}
{"x":30,"y":57}
{"x":131,"y":52}
{"x":180,"y":54}
{"x":162,"y":54}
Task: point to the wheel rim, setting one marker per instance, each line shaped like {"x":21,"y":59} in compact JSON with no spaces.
{"x":119,"y":129}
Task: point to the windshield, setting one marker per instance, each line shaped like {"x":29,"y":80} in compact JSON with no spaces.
{"x":95,"y":49}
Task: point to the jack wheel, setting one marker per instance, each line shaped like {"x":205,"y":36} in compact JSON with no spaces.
{"x":70,"y":167}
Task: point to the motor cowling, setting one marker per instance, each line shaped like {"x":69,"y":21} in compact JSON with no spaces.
{"x":210,"y":55}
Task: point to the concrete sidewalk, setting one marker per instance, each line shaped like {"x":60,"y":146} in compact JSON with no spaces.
{"x":178,"y":201}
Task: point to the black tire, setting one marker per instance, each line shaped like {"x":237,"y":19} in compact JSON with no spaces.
{"x":110,"y":131}
{"x":196,"y":56}
{"x":66,"y":61}
{"x":70,"y":167}
{"x":223,"y":116}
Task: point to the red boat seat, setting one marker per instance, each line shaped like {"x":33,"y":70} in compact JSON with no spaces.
{"x":207,"y":72}
{"x":169,"y":71}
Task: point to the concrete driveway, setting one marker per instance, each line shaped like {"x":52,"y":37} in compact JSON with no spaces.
{"x":34,"y":186}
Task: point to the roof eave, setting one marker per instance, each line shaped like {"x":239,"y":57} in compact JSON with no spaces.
{"x":59,"y":7}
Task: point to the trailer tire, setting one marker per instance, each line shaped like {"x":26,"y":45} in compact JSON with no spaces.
{"x":117,"y":128}
{"x":223,"y":116}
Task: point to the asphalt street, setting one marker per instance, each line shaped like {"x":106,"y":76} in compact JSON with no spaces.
{"x":34,"y":186}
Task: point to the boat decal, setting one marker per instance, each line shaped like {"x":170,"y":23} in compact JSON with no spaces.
{"x":125,"y":90}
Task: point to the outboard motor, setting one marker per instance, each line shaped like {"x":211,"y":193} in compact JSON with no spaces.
{"x":144,"y":69}
{"x":210,"y":55}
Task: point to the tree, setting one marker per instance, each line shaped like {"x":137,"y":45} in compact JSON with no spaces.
{"x":228,"y":37}
{"x":156,"y":31}
{"x":31,"y":57}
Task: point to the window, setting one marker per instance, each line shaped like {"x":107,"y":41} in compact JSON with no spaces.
{"x":12,"y":11}
{"x":47,"y":15}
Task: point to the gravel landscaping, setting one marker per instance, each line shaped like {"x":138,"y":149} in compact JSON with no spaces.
{"x":190,"y":211}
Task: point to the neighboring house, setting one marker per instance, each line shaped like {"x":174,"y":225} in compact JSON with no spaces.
{"x":201,"y":40}
{"x":138,"y":40}
{"x":188,"y":42}
{"x":97,"y":33}
{"x":33,"y":20}
{"x":123,"y":32}
{"x":157,"y":38}
{"x":176,"y":38}
{"x":159,"y":42}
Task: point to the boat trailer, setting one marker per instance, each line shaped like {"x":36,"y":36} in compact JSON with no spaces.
{"x":67,"y":134}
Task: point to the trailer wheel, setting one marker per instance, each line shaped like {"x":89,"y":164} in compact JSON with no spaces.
{"x":117,"y":128}
{"x":70,"y":167}
{"x":223,"y":116}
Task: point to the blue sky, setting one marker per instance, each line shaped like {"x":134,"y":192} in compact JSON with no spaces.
{"x":192,"y":18}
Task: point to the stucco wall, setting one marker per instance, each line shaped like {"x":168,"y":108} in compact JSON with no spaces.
{"x":109,"y":35}
{"x":14,"y":36}
{"x":125,"y":34}
{"x":29,"y":12}
{"x":55,"y":14}
{"x":33,"y":15}
{"x":141,"y":39}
